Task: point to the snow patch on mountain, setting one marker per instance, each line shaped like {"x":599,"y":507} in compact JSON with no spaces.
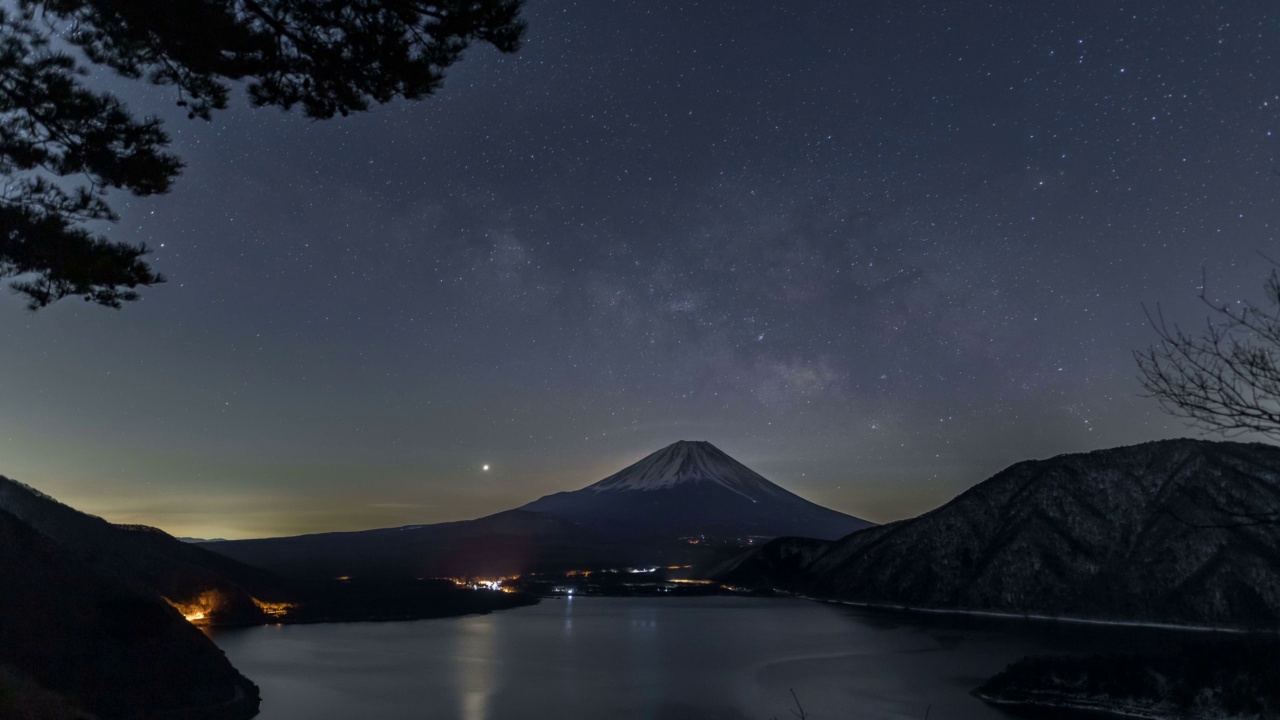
{"x":688,"y":461}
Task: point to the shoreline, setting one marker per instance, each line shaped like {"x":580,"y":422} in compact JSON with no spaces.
{"x":372,"y":618}
{"x":1041,"y":618}
{"x":1081,"y":706}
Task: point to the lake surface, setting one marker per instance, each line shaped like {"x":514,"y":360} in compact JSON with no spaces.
{"x":715,"y":658}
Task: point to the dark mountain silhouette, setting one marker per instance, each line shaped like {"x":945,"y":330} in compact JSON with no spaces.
{"x":74,"y":636}
{"x":635,"y":517}
{"x":508,"y":543}
{"x":1180,"y":531}
{"x":1170,"y":532}
{"x":92,"y":615}
{"x":214,"y":589}
{"x":148,"y":557}
{"x":694,"y":488}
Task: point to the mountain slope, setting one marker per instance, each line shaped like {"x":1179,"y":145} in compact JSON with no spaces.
{"x":149,"y":557}
{"x":1168,"y":531}
{"x":694,"y":488}
{"x":101,"y":644}
{"x":514,"y":542}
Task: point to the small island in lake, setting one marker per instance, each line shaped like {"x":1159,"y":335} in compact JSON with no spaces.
{"x":1235,"y":679}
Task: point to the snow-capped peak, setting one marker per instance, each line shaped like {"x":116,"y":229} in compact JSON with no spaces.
{"x":688,"y":461}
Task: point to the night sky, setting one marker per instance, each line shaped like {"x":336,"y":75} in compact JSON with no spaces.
{"x":875,"y":250}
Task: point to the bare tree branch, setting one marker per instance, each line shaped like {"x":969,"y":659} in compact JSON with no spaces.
{"x":1226,"y":378}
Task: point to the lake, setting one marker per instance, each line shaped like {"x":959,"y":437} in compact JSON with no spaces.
{"x":713,"y":658}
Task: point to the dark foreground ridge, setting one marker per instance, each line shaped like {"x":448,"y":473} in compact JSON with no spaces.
{"x":1167,"y":532}
{"x":212,"y":589}
{"x":101,"y":618}
{"x":148,"y":558}
{"x":74,"y":640}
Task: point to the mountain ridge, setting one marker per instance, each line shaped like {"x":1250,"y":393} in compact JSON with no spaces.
{"x":145,"y":556}
{"x":103,"y":644}
{"x":1149,"y":532}
{"x":504,"y":543}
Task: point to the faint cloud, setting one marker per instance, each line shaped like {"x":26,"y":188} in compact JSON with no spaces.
{"x":782,"y":382}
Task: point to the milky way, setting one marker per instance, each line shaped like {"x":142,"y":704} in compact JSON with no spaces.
{"x":876,"y":251}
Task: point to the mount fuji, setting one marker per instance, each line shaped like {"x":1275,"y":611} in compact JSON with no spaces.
{"x":693,"y":488}
{"x":634,"y":517}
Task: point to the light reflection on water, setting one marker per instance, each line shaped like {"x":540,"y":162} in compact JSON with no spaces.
{"x":475,"y":671}
{"x":649,"y":659}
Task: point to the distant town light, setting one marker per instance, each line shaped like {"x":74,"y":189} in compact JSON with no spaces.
{"x":274,"y":609}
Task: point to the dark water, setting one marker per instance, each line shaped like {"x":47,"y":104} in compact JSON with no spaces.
{"x":697,"y":658}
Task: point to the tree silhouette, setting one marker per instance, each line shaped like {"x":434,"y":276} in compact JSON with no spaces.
{"x":64,"y":146}
{"x":1226,"y":378}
